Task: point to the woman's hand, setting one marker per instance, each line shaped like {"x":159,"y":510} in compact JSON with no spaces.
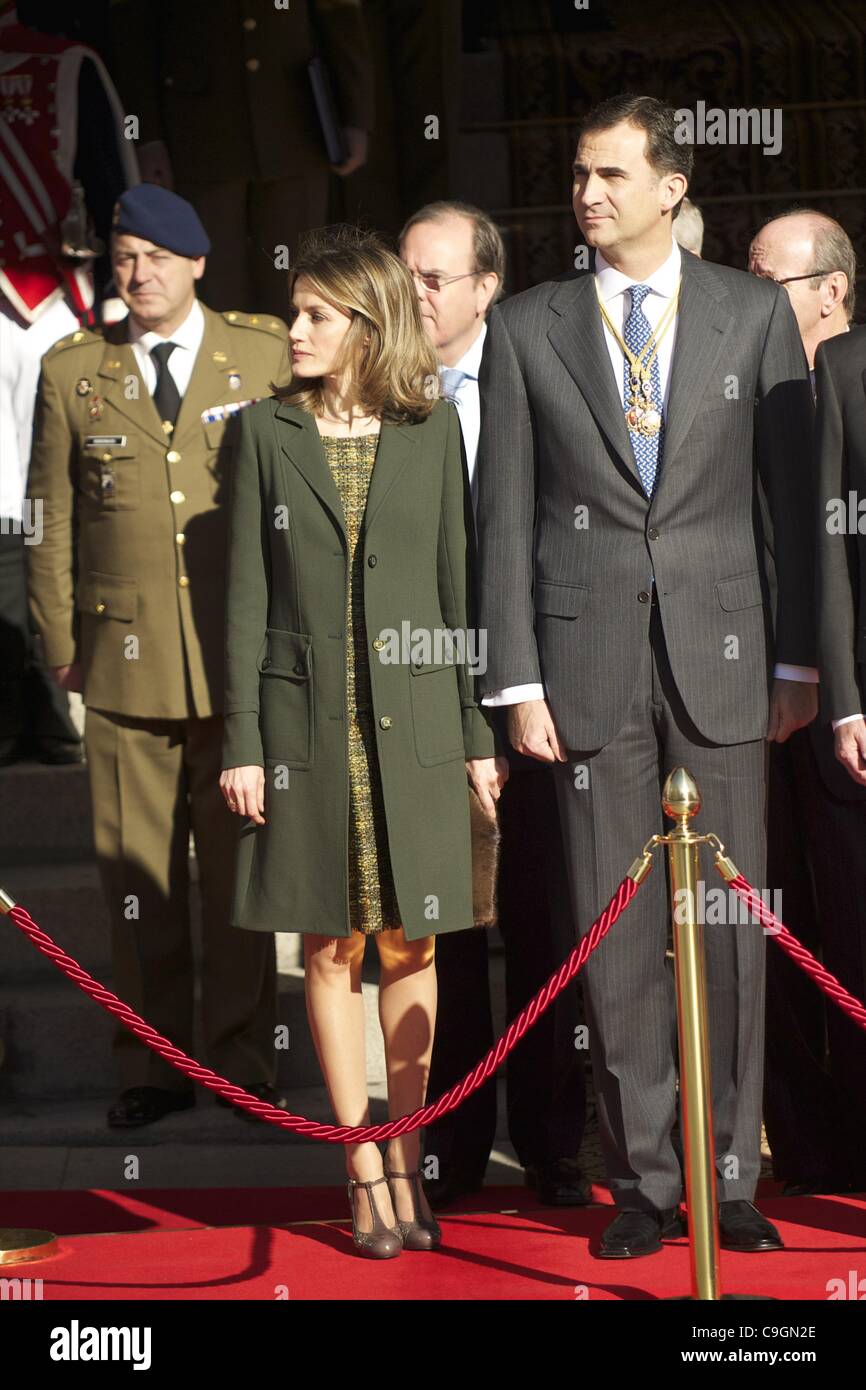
{"x":244,"y":791}
{"x":487,"y":776}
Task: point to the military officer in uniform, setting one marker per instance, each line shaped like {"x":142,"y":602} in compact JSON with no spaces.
{"x":132,"y":442}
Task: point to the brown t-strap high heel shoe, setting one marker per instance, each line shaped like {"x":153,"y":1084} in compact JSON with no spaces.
{"x":419,"y":1234}
{"x":383,"y":1242}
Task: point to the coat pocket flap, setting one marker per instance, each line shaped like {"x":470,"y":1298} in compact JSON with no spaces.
{"x":107,"y":595}
{"x":422,"y":668}
{"x":287,"y":654}
{"x":740,"y":591}
{"x":562,"y":600}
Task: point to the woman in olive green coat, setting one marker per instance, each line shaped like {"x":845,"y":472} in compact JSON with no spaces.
{"x":351,"y":717}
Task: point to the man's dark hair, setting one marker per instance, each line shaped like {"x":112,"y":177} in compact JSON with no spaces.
{"x":664,"y":152}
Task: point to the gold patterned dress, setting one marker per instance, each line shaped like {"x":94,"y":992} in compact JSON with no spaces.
{"x":372,"y":899}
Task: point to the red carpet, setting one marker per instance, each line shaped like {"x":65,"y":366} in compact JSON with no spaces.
{"x":265,"y":1243}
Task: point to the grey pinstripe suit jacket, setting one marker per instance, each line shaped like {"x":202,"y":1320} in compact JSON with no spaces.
{"x":560,"y":589}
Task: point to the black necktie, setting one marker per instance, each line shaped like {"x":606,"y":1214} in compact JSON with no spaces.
{"x":166,"y":397}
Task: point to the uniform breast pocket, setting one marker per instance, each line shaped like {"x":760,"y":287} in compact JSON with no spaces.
{"x":110,"y":473}
{"x":436,"y":718}
{"x":286,"y":698}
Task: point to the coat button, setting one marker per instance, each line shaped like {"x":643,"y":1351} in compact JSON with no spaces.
{"x":249,"y":24}
{"x":183,"y":581}
{"x":265,"y":664}
{"x":100,"y":608}
{"x":378,"y":644}
{"x":298,"y":668}
{"x":643,"y":596}
{"x":385,"y":721}
{"x":172,"y":456}
{"x":371,"y":561}
{"x":177,"y":497}
{"x":252,"y":65}
{"x":653,"y":534}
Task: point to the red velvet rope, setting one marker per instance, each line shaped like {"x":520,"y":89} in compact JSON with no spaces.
{"x":312,"y":1129}
{"x":826,"y":982}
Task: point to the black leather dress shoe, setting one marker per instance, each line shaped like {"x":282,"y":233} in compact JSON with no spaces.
{"x":442,"y":1191}
{"x":635,"y":1233}
{"x":262,"y":1090}
{"x":141,"y":1105}
{"x":559,"y":1183}
{"x":742,"y":1227}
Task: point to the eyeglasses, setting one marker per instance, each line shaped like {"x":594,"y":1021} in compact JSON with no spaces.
{"x":435,"y":282}
{"x":789,"y":278}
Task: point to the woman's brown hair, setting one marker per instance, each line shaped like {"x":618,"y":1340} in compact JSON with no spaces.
{"x":395,"y":374}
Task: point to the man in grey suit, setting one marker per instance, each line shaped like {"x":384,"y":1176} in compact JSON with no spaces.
{"x":644,"y":438}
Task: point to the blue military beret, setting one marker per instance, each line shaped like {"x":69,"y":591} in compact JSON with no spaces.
{"x":160,"y":216}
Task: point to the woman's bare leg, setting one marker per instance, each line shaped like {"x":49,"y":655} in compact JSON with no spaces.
{"x":407,"y":1013}
{"x":335,"y":1010}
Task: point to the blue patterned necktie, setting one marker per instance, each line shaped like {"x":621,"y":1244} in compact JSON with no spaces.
{"x":451,"y":379}
{"x":636,"y":335}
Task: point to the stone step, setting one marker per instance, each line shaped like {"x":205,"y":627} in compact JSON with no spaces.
{"x":44,"y":814}
{"x":66,"y":901}
{"x":57,"y":1041}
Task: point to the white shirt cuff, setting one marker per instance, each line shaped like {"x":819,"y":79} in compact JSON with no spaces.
{"x":514,"y":694}
{"x":785,"y":672}
{"x":849,"y":719}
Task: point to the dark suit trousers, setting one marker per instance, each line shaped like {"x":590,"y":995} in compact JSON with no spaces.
{"x":816,"y":1057}
{"x":628,"y":983}
{"x":544,"y":1075}
{"x":32,"y":706}
{"x":151,"y":782}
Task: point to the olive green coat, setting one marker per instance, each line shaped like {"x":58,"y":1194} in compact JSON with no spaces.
{"x":288,"y":566}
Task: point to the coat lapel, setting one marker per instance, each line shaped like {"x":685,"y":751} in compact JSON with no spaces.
{"x":302,"y":444}
{"x":578,"y":339}
{"x":209,"y":383}
{"x":118,"y":365}
{"x":703,"y":323}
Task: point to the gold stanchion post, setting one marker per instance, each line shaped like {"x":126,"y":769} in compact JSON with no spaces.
{"x":681,"y":801}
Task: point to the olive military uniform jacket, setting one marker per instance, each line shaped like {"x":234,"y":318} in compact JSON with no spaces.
{"x":225,"y":83}
{"x":129,"y":574}
{"x":286,"y":669}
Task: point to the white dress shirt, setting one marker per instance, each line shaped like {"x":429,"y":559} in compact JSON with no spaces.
{"x":467,"y":401}
{"x":614,"y":289}
{"x":187,"y":339}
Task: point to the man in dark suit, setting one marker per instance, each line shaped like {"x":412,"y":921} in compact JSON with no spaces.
{"x":816,"y":818}
{"x":840,"y":375}
{"x":634,"y":422}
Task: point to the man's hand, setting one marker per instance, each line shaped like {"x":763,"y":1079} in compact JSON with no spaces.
{"x":793,"y":704}
{"x":356,"y":143}
{"x":850,"y":741}
{"x":488,"y":776}
{"x":154,"y":164}
{"x":68,"y":677}
{"x":244,"y":791}
{"x":531,"y":730}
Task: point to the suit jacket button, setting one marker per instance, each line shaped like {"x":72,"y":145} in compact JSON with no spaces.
{"x":265,"y":664}
{"x":653,"y":534}
{"x":183,"y":581}
{"x":643,"y":596}
{"x":298,"y":668}
{"x":385,"y":721}
{"x":100,"y":608}
{"x":371,"y":561}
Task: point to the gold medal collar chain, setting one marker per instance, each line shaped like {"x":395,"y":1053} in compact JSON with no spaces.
{"x":641,"y":414}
